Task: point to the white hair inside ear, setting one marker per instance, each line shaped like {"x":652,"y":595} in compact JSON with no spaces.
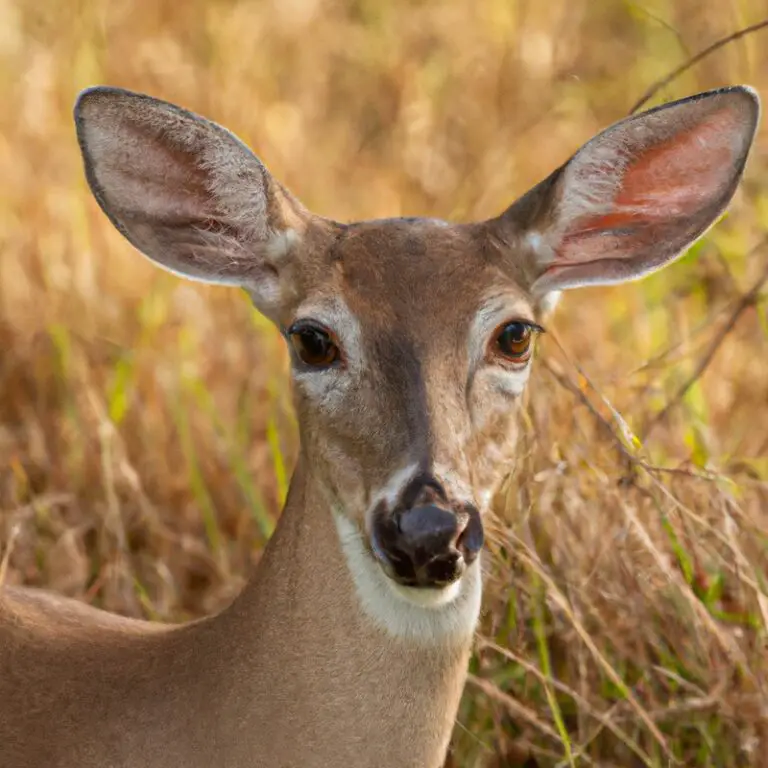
{"x":548,"y":302}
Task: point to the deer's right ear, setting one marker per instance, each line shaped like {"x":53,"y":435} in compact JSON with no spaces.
{"x":187,"y":193}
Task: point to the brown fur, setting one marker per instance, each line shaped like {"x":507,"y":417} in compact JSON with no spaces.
{"x":290,"y":675}
{"x":295,"y":674}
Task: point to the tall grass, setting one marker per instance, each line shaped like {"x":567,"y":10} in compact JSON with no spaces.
{"x":145,"y":425}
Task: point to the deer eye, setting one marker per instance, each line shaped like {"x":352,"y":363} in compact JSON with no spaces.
{"x":313,"y":345}
{"x":513,"y":341}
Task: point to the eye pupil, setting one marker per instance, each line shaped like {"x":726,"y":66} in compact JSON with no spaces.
{"x":514,"y":341}
{"x":314,"y":346}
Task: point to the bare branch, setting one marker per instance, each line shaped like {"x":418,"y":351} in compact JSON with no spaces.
{"x":686,"y":65}
{"x":749,"y":299}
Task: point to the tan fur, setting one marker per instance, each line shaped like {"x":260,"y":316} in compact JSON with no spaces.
{"x":290,"y":675}
{"x":323,"y":661}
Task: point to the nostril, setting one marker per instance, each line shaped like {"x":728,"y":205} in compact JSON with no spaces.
{"x":470,"y":541}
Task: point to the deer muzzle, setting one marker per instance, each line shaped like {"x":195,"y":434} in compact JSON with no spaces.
{"x":429,"y":545}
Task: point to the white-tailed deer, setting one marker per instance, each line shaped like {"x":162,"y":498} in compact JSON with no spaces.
{"x":411,"y":344}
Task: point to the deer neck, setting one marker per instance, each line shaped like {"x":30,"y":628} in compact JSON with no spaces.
{"x":344,"y":670}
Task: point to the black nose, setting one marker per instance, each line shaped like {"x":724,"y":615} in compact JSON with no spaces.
{"x":427,"y":545}
{"x":425,"y":530}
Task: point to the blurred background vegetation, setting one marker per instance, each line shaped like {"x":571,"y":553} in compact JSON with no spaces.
{"x":146,"y":433}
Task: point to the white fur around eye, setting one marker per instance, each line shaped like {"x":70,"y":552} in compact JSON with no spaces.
{"x":326,"y":387}
{"x":496,"y":311}
{"x":509,"y":381}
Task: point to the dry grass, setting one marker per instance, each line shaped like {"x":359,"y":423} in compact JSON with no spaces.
{"x":145,"y":429}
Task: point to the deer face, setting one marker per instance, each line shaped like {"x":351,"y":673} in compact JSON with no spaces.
{"x":411,"y":339}
{"x":410,"y":354}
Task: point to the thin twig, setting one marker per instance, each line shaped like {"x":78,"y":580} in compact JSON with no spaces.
{"x":515,"y":707}
{"x":686,"y":65}
{"x":749,"y":299}
{"x":586,"y":706}
{"x":630,"y":458}
{"x":532,"y":560}
{"x":669,"y":27}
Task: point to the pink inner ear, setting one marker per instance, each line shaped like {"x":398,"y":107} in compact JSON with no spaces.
{"x":669,"y":180}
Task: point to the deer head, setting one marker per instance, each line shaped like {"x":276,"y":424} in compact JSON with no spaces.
{"x":411,"y":339}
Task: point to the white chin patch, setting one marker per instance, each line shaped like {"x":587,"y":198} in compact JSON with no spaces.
{"x":429,"y":616}
{"x":426,"y":597}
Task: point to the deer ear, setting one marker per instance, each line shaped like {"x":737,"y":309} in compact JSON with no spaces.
{"x":186,"y":192}
{"x":637,"y":195}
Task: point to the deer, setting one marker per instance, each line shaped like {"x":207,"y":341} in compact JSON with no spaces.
{"x":411,"y":340}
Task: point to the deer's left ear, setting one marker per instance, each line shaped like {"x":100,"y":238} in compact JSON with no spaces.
{"x":636,"y":196}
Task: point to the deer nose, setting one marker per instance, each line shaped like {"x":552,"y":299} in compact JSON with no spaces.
{"x":426,"y":530}
{"x":427,"y":545}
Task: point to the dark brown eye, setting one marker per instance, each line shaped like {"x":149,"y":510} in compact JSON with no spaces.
{"x":513,"y":341}
{"x":314,"y":346}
